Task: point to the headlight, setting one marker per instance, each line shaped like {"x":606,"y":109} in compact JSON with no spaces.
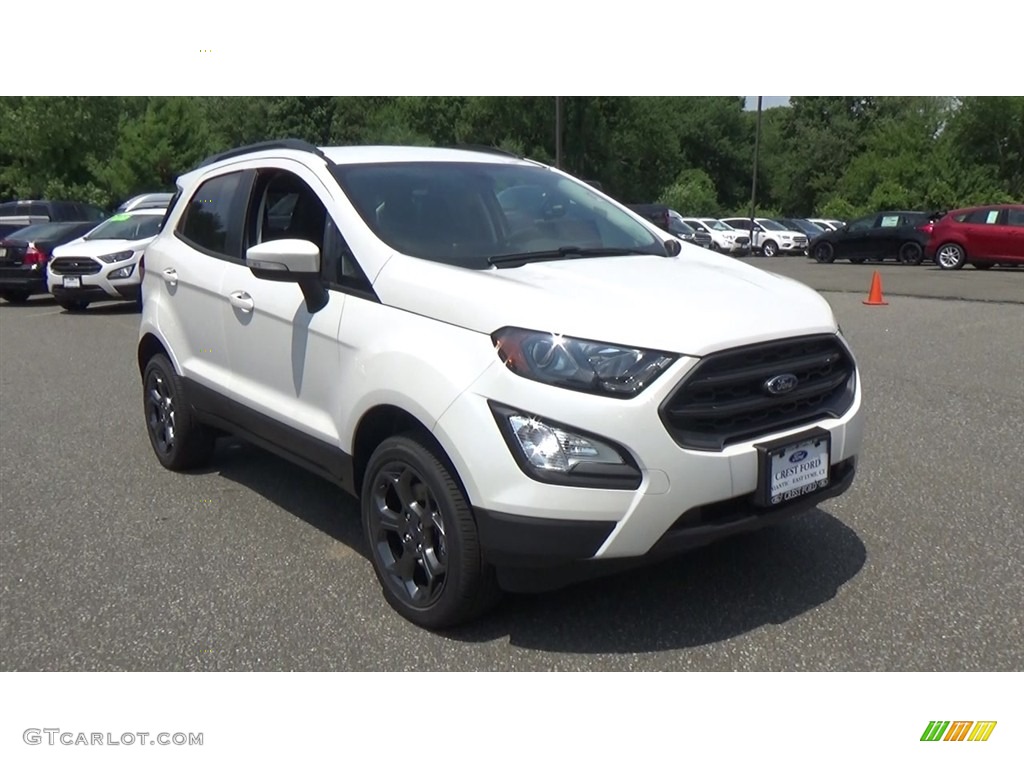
{"x":120,"y":274}
{"x":555,"y":453}
{"x":587,"y":366}
{"x":110,"y":258}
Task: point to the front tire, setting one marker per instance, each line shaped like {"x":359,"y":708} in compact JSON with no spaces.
{"x":422,"y":537}
{"x":74,"y":306}
{"x":824,"y":253}
{"x":950,"y":256}
{"x":770,"y":249}
{"x":179,"y":441}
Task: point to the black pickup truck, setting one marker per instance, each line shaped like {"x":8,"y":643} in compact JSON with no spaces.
{"x":671,"y":222}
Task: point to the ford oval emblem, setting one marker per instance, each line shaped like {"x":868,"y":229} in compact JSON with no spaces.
{"x":797,"y":456}
{"x":781,"y":384}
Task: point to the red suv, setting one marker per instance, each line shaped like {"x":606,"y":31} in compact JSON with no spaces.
{"x":984,"y":236}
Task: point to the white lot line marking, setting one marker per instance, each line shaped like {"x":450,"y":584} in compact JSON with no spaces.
{"x":42,"y":314}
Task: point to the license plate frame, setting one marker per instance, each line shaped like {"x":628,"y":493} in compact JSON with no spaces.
{"x":777,"y":456}
{"x":72,"y":282}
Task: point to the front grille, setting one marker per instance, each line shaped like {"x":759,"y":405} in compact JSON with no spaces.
{"x":725,"y":400}
{"x":67,"y":265}
{"x":800,"y":240}
{"x":742,"y":240}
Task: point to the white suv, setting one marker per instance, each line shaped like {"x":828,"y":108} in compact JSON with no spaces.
{"x":105,"y":264}
{"x":771,"y":238}
{"x":522,"y":381}
{"x":723,"y":237}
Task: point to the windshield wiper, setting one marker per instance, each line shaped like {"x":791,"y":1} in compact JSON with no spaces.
{"x":565,"y":252}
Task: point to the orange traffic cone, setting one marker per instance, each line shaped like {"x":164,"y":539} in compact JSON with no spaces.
{"x":875,"y":295}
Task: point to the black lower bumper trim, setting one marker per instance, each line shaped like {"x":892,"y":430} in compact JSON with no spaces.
{"x":95,"y":293}
{"x":537,"y":558}
{"x":537,"y":542}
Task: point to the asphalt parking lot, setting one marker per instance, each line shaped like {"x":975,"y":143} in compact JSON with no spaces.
{"x":109,"y":562}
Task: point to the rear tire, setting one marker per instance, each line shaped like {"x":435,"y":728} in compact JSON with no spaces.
{"x":422,"y":537}
{"x":15,"y":297}
{"x":911,"y":253}
{"x":179,"y":441}
{"x":950,"y":256}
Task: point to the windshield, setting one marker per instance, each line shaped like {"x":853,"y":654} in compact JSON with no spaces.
{"x":772,"y":225}
{"x":466,"y":213}
{"x":128,"y":227}
{"x":809,"y":227}
{"x":721,"y":226}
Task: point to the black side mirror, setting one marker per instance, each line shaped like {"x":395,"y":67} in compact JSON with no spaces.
{"x":673,"y":247}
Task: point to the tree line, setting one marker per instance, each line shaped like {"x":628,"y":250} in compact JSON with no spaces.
{"x":834,"y":156}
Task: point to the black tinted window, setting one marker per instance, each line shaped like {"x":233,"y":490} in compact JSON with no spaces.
{"x":8,"y":209}
{"x":465,"y":213}
{"x":1015,"y":217}
{"x":983,"y":216}
{"x":207,"y":219}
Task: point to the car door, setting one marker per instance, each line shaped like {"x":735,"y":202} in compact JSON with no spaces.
{"x":852,"y":241}
{"x":1013,"y":249}
{"x":188,"y":267}
{"x":286,"y":360}
{"x":986,"y":233}
{"x":884,"y":237}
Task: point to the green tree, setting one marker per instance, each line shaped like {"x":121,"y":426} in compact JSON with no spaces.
{"x":167,"y":139}
{"x":692,"y":193}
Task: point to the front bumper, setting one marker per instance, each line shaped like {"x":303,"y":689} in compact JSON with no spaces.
{"x":98,"y":286}
{"x":539,"y":554}
{"x":525,"y":522}
{"x":793,"y":247}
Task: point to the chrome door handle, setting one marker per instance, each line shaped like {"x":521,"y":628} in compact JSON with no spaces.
{"x":170,"y":276}
{"x":241,"y":300}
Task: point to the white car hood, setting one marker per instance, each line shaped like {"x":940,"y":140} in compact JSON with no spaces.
{"x":82,"y":247}
{"x":694,"y":304}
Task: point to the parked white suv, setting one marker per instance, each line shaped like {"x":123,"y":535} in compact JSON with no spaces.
{"x":521,"y":388}
{"x":104,"y":264}
{"x":723,"y":237}
{"x":771,"y":238}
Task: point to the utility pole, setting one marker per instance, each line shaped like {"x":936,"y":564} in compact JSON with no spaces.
{"x":558,"y":132}
{"x":753,"y":184}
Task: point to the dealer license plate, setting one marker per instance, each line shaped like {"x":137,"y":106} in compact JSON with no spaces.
{"x":72,"y":282}
{"x":791,"y":468}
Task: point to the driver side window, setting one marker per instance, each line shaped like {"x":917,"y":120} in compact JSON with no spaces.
{"x":861,"y":224}
{"x":285,"y":207}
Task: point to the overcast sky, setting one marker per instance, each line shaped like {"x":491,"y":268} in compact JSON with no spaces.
{"x":767,"y":101}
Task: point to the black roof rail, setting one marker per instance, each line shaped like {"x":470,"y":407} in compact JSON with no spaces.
{"x":296,"y":144}
{"x":486,"y":149}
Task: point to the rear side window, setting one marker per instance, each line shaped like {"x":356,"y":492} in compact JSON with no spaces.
{"x":207,"y":221}
{"x":38,"y":209}
{"x":983,"y":216}
{"x":1015,"y":217}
